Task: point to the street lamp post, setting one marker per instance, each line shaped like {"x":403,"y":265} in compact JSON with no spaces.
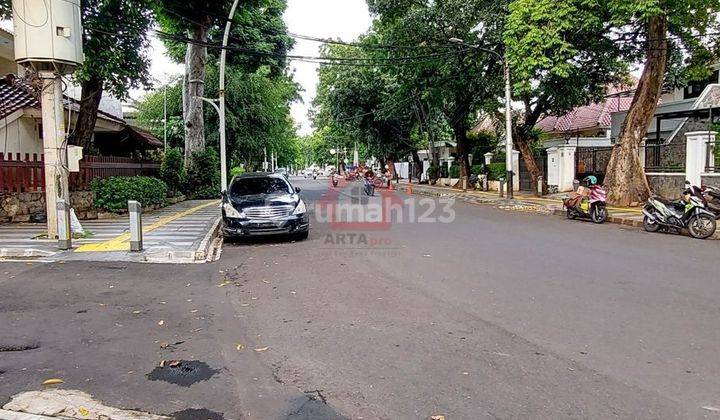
{"x":508,"y":112}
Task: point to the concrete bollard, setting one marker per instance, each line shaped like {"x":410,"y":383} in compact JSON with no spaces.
{"x":136,"y":241}
{"x":540,"y":187}
{"x":63,"y":221}
{"x":464,"y":183}
{"x":576,"y":184}
{"x":502,"y":188}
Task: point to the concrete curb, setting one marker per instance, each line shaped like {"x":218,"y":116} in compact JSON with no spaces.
{"x":203,"y":250}
{"x":200,"y":255}
{"x":16,"y":415}
{"x":25,"y":253}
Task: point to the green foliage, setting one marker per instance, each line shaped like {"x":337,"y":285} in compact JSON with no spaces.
{"x":203,"y":175}
{"x":151,"y":114}
{"x":454,"y":171}
{"x":477,"y":169}
{"x":113,"y":194}
{"x":236,"y":171}
{"x":172,"y":171}
{"x":115,"y":43}
{"x":496,"y":171}
{"x":432,"y":172}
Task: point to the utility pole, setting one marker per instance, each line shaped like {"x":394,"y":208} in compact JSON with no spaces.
{"x":265,"y":162}
{"x":56,"y":172}
{"x":49,"y":40}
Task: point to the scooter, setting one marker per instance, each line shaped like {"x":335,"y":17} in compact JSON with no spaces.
{"x":588,"y":203}
{"x":687,"y":213}
{"x":712,"y":200}
{"x":369,"y":187}
{"x":335,"y":180}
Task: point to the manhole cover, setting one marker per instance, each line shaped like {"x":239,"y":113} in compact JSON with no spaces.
{"x":197,"y":414}
{"x":182,"y":372}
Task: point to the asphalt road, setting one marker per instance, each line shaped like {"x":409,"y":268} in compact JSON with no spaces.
{"x":494,"y":314}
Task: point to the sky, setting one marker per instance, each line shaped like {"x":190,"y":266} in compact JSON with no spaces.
{"x":337,"y":19}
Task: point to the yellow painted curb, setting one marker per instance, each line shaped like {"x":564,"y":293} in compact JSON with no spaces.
{"x":122,"y":242}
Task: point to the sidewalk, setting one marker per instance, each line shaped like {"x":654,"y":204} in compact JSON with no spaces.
{"x":629,"y":216}
{"x":180,"y":233}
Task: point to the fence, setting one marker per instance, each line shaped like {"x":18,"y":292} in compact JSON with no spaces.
{"x":25,"y":173}
{"x":713,"y":156}
{"x":664,"y":157}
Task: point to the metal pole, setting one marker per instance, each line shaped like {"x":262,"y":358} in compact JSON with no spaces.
{"x":265,"y":162}
{"x":223,"y":60}
{"x":508,"y":132}
{"x":165,"y":119}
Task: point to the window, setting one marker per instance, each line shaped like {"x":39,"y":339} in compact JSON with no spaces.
{"x":695,"y":89}
{"x":256,"y":186}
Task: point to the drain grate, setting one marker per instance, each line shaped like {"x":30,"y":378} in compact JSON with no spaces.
{"x":18,"y":347}
{"x":197,"y":414}
{"x":182,"y":372}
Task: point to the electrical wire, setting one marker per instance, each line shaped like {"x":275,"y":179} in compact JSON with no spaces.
{"x":47,"y":15}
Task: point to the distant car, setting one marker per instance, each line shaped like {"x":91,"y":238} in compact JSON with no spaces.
{"x":258,"y":204}
{"x":283,"y":171}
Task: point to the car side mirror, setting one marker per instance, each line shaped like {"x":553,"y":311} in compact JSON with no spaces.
{"x":297,"y":190}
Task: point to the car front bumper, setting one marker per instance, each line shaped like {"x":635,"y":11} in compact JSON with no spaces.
{"x":248,"y":227}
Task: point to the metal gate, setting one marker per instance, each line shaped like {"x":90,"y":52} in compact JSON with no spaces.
{"x":526,"y":183}
{"x":592,"y":161}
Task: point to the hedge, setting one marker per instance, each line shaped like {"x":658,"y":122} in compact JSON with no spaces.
{"x":455,"y":171}
{"x":113,"y":194}
{"x":496,"y":171}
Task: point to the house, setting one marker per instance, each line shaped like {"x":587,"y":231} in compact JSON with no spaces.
{"x":588,"y":125}
{"x":21,"y":120}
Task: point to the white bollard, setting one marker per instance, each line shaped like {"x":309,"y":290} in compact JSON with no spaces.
{"x":63,"y":228}
{"x":136,"y":241}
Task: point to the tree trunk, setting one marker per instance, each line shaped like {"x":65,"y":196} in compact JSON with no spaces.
{"x":626,"y":182}
{"x":90,"y":95}
{"x":461,"y":138}
{"x":193,"y":90}
{"x":417,"y":165}
{"x":528,"y":157}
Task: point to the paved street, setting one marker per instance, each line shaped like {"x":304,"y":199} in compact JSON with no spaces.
{"x":498,"y":314}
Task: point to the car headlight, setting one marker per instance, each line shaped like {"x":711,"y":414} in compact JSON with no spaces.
{"x":300,"y":209}
{"x":232,"y":213}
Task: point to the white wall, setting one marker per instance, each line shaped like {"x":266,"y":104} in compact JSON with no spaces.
{"x":21,"y":136}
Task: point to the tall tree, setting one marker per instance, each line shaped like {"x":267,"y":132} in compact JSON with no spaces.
{"x":115,"y":41}
{"x":257,"y":28}
{"x":588,"y":42}
{"x":460,"y":81}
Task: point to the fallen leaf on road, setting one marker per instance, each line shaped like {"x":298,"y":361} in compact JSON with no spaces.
{"x":261,"y":349}
{"x":239,"y":347}
{"x":162,"y":363}
{"x":174,"y":363}
{"x":244,"y":304}
{"x":161,"y":323}
{"x":438,"y":417}
{"x":164,"y":345}
{"x":53,"y":381}
{"x":266,"y":282}
{"x":194,"y":311}
{"x":84,"y":411}
{"x":137,"y":312}
{"x":225,"y":283}
{"x":428,"y":255}
{"x":710,"y":408}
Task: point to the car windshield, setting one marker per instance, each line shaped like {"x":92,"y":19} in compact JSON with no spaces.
{"x":254,"y":186}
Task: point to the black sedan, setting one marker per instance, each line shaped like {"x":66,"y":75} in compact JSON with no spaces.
{"x":258,"y":204}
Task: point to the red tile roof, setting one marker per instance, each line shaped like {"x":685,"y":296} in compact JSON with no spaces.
{"x":15,"y":95}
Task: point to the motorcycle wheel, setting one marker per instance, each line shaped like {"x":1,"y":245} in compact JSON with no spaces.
{"x":650,"y":225}
{"x":702,"y":226}
{"x":599,"y":214}
{"x":570,"y":214}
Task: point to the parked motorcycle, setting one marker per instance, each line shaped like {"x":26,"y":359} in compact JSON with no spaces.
{"x":589,"y":202}
{"x":712,"y":199}
{"x":335,"y":180}
{"x":369,"y":187}
{"x":687,"y":213}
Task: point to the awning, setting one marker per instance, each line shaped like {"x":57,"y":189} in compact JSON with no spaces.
{"x":142,"y":139}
